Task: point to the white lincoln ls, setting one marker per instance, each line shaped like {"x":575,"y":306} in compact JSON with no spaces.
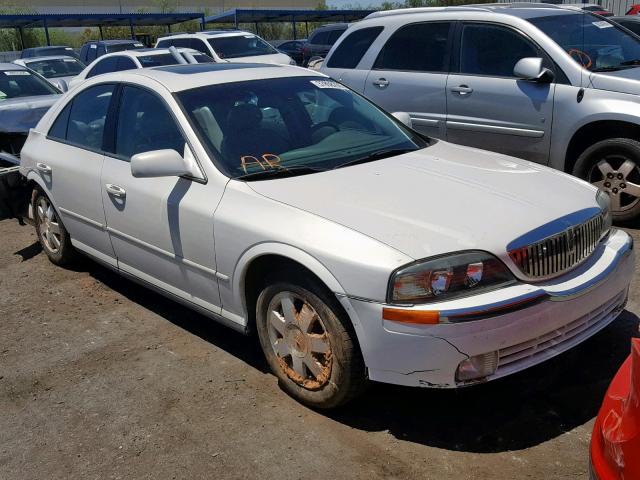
{"x":277,"y":201}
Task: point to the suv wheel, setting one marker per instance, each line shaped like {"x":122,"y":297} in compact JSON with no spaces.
{"x":614,"y":166}
{"x":308,"y":344}
{"x":52,"y":234}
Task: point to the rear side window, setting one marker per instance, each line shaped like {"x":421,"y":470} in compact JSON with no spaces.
{"x":199,"y":45}
{"x":125,"y":63}
{"x":87,"y":117}
{"x":145,"y":124}
{"x":351,"y":49}
{"x":320,"y":38}
{"x":164,"y":44}
{"x":106,"y":65}
{"x":59,"y":128}
{"x":334,"y":35}
{"x":421,"y":47}
{"x":479,"y":55}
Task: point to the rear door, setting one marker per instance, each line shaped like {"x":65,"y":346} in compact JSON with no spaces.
{"x":487,"y":106}
{"x":410,"y":74}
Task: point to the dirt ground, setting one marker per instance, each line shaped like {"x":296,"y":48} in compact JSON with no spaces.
{"x":100,"y":378}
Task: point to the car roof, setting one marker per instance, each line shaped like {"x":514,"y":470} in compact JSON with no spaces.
{"x":47,"y":57}
{"x":176,"y":78}
{"x":145,"y":52}
{"x":210,"y":34}
{"x":112,"y":42}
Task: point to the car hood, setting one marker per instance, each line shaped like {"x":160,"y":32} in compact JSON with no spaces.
{"x":440,"y":199}
{"x":18,"y":115}
{"x":623,"y":81}
{"x":278,"y":58}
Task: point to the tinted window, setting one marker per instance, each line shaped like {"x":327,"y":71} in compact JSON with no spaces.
{"x":320,"y":38}
{"x":88,"y":115}
{"x":125,"y":63}
{"x":90,"y":53}
{"x":164,"y":43}
{"x":420,"y":47}
{"x":59,"y":67}
{"x":102,"y":50}
{"x":199,"y":45}
{"x":144,"y":124}
{"x":479,"y":55}
{"x":633,"y":26}
{"x":353,"y":47}
{"x":59,"y":127}
{"x":109,"y":64}
{"x":240,"y":46}
{"x":22,"y":83}
{"x":334,"y":35}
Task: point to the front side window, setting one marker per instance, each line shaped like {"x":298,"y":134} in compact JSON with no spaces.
{"x":595,"y":43}
{"x":351,"y":49}
{"x":106,"y":65}
{"x":22,"y":83}
{"x":59,"y":67}
{"x":240,"y":46}
{"x":480,"y":56}
{"x":285,"y":123}
{"x":421,"y":47}
{"x":145,"y":124}
{"x":88,"y":115}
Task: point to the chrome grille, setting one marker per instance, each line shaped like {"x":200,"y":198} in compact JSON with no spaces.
{"x":560,"y":252}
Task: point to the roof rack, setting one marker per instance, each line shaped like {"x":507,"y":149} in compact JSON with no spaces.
{"x":406,"y":11}
{"x":518,"y":5}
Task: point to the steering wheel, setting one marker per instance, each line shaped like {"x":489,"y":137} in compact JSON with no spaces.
{"x":581,"y":57}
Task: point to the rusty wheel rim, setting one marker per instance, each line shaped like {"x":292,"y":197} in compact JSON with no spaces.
{"x":300,"y":340}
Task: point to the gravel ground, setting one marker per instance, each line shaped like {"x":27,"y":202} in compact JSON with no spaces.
{"x":100,"y":378}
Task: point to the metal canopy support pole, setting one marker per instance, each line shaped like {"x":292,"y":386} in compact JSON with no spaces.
{"x":293,"y":23}
{"x":203,"y":24}
{"x":46,"y":33}
{"x":133,"y":35}
{"x":306,"y":26}
{"x":100,"y":30}
{"x":169,"y":27}
{"x":256,"y":24}
{"x":235,"y":19}
{"x":21,"y":33}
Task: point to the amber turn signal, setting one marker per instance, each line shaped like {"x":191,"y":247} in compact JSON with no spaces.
{"x":411,"y":316}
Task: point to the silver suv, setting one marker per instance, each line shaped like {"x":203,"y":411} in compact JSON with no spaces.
{"x":552,"y":85}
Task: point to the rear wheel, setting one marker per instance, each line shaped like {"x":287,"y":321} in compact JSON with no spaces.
{"x":613,"y":165}
{"x":308,"y":344}
{"x":52,"y":234}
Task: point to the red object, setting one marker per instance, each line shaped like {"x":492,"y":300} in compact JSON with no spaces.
{"x":634,"y":10}
{"x":615,"y":442}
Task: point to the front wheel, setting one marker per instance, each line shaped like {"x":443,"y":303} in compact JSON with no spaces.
{"x":309,"y":345}
{"x":613,"y":165}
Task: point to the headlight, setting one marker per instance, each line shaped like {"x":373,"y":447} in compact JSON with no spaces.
{"x":604,"y":201}
{"x":447,"y":277}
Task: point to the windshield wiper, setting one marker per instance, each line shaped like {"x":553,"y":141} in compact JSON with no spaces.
{"x":281,"y":172}
{"x":379,"y":155}
{"x":634,"y":62}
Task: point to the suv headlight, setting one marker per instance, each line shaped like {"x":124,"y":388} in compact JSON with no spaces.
{"x":448,"y":276}
{"x":604,"y":201}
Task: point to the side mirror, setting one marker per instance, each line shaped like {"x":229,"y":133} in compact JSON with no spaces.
{"x":159,"y":163}
{"x":62,"y":85}
{"x":531,"y":69}
{"x":404,"y":117}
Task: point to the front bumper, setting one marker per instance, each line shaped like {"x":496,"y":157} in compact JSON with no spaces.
{"x":551,"y":317}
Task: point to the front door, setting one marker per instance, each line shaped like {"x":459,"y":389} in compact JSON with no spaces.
{"x":410,"y":75}
{"x":487,"y":106}
{"x":161,"y":228}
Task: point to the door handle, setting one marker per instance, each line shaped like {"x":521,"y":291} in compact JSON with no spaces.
{"x":381,"y":82}
{"x":43,"y":167}
{"x":116,"y":190}
{"x":462,"y":89}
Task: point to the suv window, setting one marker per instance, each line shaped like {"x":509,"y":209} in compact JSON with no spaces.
{"x":125,"y":63}
{"x":479,"y":55}
{"x":197,"y":44}
{"x":334,"y":35}
{"x":420,"y":47}
{"x":145,"y":124}
{"x":351,"y":49}
{"x":106,"y":65}
{"x":320,"y":38}
{"x":87,"y":117}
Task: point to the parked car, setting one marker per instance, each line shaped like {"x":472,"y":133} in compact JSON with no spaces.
{"x":141,"y":58}
{"x":321,"y":40}
{"x":615,"y":441}
{"x":293,"y":48}
{"x":632,"y":23}
{"x":227,"y":46}
{"x":634,"y":10}
{"x":25,"y":96}
{"x":588,"y":7}
{"x":58,"y":69}
{"x":97,"y":48}
{"x":48,"y":51}
{"x":533,"y":81}
{"x":274,"y":199}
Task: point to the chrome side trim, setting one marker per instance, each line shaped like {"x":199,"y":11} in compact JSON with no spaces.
{"x":427,"y":122}
{"x":82,"y":218}
{"x":477,"y":127}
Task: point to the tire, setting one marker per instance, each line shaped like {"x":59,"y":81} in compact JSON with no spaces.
{"x":614,"y":166}
{"x":52,"y":234}
{"x":313,"y":352}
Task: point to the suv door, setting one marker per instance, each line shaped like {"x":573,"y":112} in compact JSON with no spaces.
{"x":161,"y":228}
{"x":410,"y":74}
{"x":487,"y":106}
{"x":72,"y":174}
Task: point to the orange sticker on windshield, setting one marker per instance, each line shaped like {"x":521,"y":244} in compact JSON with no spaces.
{"x":269,"y":159}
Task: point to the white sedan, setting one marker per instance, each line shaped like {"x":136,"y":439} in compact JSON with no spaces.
{"x":277,"y":201}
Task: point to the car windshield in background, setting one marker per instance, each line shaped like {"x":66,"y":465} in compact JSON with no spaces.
{"x":160,"y":60}
{"x":60,"y":67}
{"x":286,"y":125}
{"x":595,"y":43}
{"x":68,"y":51}
{"x":121,"y":47}
{"x":241,"y":46}
{"x":21,"y":83}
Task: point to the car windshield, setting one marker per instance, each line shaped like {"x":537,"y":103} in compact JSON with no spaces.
{"x":240,"y":46}
{"x":593,"y":42}
{"x":68,"y":51}
{"x":301,"y":124}
{"x":55,"y":68}
{"x":21,"y":83}
{"x":120,"y":47}
{"x":161,"y":59}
